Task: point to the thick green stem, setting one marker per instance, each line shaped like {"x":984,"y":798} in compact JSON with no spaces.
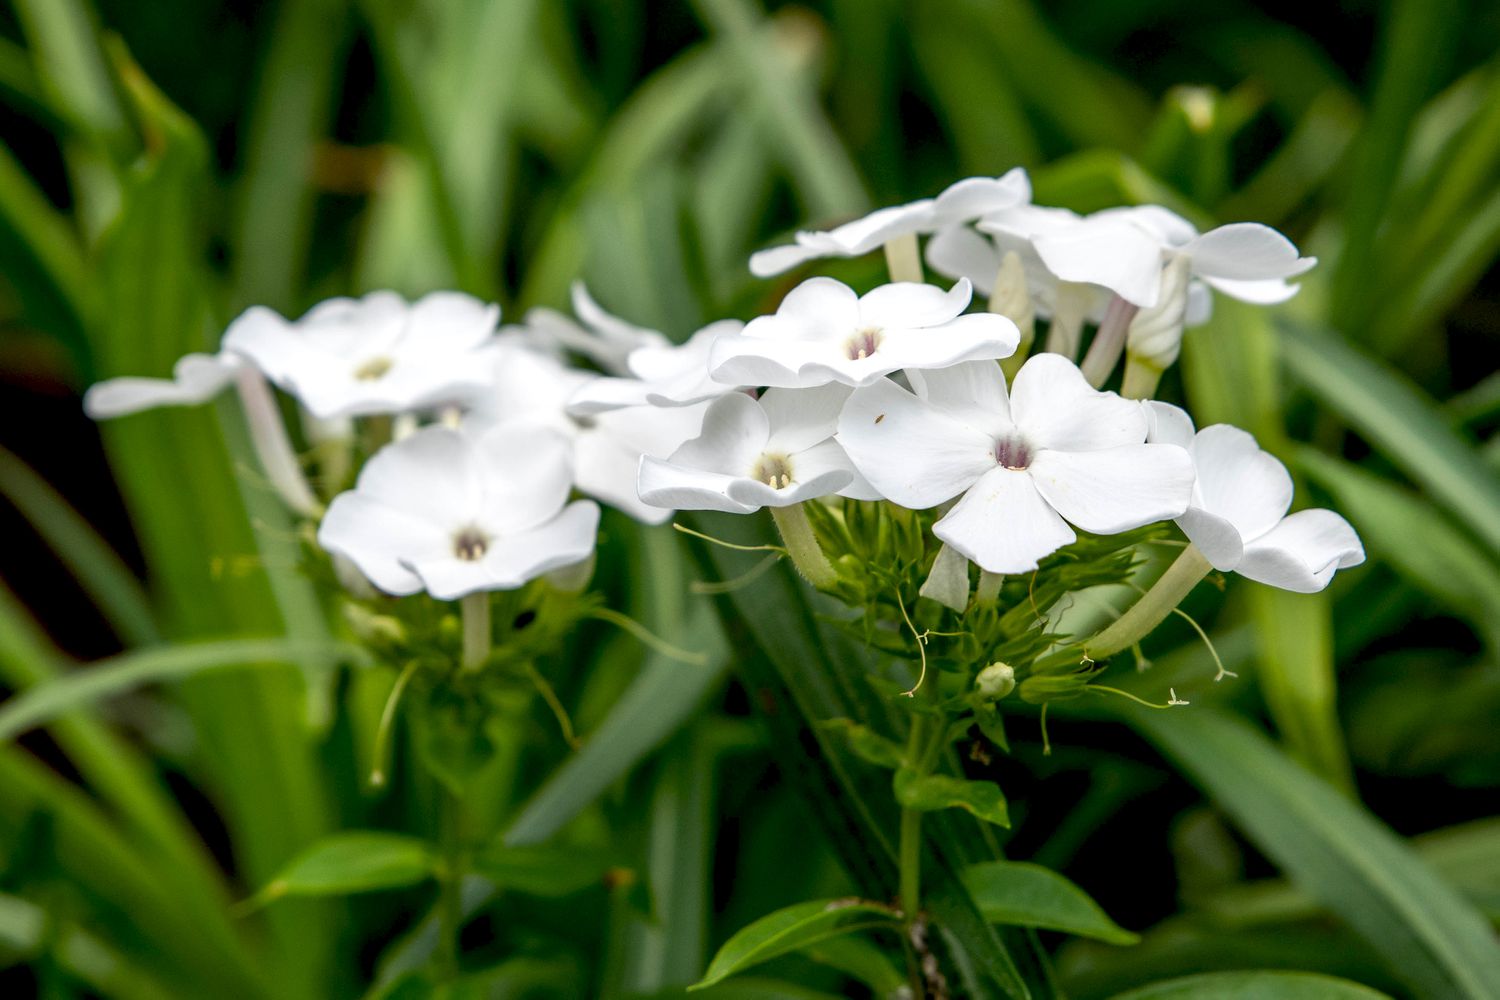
{"x":476,"y":618}
{"x":450,"y":902}
{"x":802,"y":545}
{"x":1109,"y":342}
{"x":910,"y":844}
{"x":1152,"y":609}
{"x":903,"y":259}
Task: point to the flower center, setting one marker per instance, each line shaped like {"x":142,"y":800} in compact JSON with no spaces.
{"x":863,"y":344}
{"x":1012,"y":453}
{"x":373,"y":369}
{"x":471,"y":544}
{"x":773,"y":470}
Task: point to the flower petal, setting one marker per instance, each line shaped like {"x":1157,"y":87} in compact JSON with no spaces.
{"x":1246,"y":251}
{"x":778,"y":260}
{"x":1115,"y":489}
{"x":784,"y":363}
{"x":1237,"y":481}
{"x":1167,"y":424}
{"x":525,"y":475}
{"x":606,"y":468}
{"x":912,"y":304}
{"x":678,"y":487}
{"x":1215,"y":537}
{"x":431,"y":475}
{"x":1004,"y":524}
{"x":973,"y":197}
{"x":735,"y":432}
{"x":565,"y":540}
{"x":975,"y":337}
{"x":1054,"y":406}
{"x":377,"y":538}
{"x":912,"y":452}
{"x":973,"y":391}
{"x":1303,"y":551}
{"x":1264,"y":292}
{"x":800,"y":418}
{"x":196,"y":378}
{"x":1111,"y":252}
{"x":948,"y":580}
{"x":448,"y":322}
{"x":960,"y":252}
{"x":816,"y":303}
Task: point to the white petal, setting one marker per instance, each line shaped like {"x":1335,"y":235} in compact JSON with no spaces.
{"x":912,"y":304}
{"x":676,"y":487}
{"x":913,"y":453}
{"x":377,"y":539}
{"x":960,"y":252}
{"x":565,"y":540}
{"x":735,"y":432}
{"x":1265,"y":292}
{"x":268,"y":340}
{"x":430,"y":475}
{"x":741,"y":360}
{"x":1054,"y":407}
{"x":1237,"y":481}
{"x":606,"y":468}
{"x":777,"y":260}
{"x":1216,"y":538}
{"x":1115,"y":489}
{"x":755,"y":494}
{"x":1003,"y":524}
{"x":974,"y":392}
{"x":614,"y":330}
{"x":1246,"y":251}
{"x":607,"y":393}
{"x":1110,"y":252}
{"x":525,"y":476}
{"x":817,"y":302}
{"x":800,"y":418}
{"x":948,"y":580}
{"x":449,"y":322}
{"x":865,"y":234}
{"x":1200,"y":303}
{"x":975,"y":337}
{"x":448,"y":577}
{"x":1167,"y":424}
{"x":196,"y":378}
{"x":973,"y":197}
{"x":1303,"y":551}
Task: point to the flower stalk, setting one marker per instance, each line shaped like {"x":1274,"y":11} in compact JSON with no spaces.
{"x":1012,"y":300}
{"x":475,"y":609}
{"x":1141,"y":378}
{"x":802,"y":545}
{"x":903,"y":259}
{"x":1109,"y":342}
{"x":272,"y":446}
{"x":1185,"y":573}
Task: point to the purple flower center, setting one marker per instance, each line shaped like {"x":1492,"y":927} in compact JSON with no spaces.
{"x":1013,"y":453}
{"x":863,"y":344}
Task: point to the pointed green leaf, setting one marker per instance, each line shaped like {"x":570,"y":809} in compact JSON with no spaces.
{"x":547,"y":871}
{"x":349,"y":862}
{"x":941,"y":791}
{"x":865,"y":743}
{"x":793,"y":928}
{"x":1431,"y":938}
{"x":1254,"y":986}
{"x":1028,"y":895}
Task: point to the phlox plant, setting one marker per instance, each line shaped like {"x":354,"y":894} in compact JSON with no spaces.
{"x":945,"y":464}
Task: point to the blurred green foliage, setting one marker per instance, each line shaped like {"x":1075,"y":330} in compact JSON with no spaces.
{"x":167,"y":164}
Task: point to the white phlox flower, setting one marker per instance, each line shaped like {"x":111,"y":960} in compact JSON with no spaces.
{"x":454,"y":512}
{"x":375,"y":355}
{"x":605,"y":339}
{"x":961,"y":252}
{"x":961,"y":202}
{"x":1051,"y":452}
{"x":675,"y":375}
{"x":769,"y":452}
{"x":196,"y":378}
{"x":824,"y":332}
{"x":1125,"y":249}
{"x":1238,"y":515}
{"x":530,"y":389}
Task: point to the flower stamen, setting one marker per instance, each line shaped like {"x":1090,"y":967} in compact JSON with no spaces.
{"x":1013,"y":453}
{"x":863,"y":344}
{"x":373,"y":369}
{"x":471,"y":544}
{"x":773,"y":470}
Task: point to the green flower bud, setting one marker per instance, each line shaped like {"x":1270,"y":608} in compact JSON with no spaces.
{"x":996,"y":681}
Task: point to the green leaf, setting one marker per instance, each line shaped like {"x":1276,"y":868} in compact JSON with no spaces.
{"x":793,"y":928}
{"x":349,"y":862}
{"x":861,"y":959}
{"x":1430,"y":937}
{"x":1439,"y":558}
{"x":546,"y":871}
{"x":931,"y":792}
{"x":865,"y":743}
{"x":1400,"y":421}
{"x":1028,"y":895}
{"x":122,"y":673}
{"x":1254,"y":986}
{"x":26,"y":929}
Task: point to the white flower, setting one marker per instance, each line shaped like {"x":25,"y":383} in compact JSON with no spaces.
{"x":1124,"y":249}
{"x":771,"y":452}
{"x":961,"y":202}
{"x":1238,"y":516}
{"x":1028,"y":462}
{"x":196,"y":378}
{"x":599,"y":336}
{"x":374,"y":355}
{"x":531,"y":389}
{"x":674,"y":375}
{"x":823,"y":332}
{"x":453,"y":513}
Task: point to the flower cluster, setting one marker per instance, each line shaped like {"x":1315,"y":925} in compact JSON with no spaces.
{"x":904,"y":397}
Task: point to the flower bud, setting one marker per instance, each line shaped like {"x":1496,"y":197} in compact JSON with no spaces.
{"x":996,"y":681}
{"x":372,"y":628}
{"x":1156,"y":333}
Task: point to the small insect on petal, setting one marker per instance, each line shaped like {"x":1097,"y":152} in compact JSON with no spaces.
{"x":880,"y":418}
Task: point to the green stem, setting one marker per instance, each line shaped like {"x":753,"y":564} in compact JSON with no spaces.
{"x":475,"y":609}
{"x":1152,"y":609}
{"x":450,"y":903}
{"x":903,"y":259}
{"x":910,"y":845}
{"x":802,"y":545}
{"x":1141,"y":377}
